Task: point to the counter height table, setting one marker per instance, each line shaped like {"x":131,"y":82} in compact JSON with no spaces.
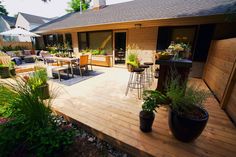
{"x":167,"y":67}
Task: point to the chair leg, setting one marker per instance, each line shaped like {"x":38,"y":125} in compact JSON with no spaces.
{"x":59,"y":75}
{"x":68,"y":76}
{"x":80,"y":71}
{"x":129,"y":82}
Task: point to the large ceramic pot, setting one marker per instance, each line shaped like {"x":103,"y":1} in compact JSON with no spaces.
{"x":4,"y":72}
{"x":43,"y":91}
{"x":146,"y":121}
{"x":187,"y":129}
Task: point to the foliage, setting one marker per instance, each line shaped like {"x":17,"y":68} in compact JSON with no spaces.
{"x":10,"y":48}
{"x":133,"y":59}
{"x":152,"y":100}
{"x":52,"y":49}
{"x":74,"y":5}
{"x":11,"y":65}
{"x":98,"y":52}
{"x":38,"y":79}
{"x":32,"y":130}
{"x":184,"y":99}
{"x":3,"y":10}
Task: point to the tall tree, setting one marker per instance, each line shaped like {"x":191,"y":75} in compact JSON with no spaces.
{"x":74,"y":5}
{"x":3,"y":11}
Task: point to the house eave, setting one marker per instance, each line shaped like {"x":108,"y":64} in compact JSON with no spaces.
{"x":221,"y":18}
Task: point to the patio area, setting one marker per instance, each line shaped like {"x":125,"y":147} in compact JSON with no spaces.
{"x":99,"y":105}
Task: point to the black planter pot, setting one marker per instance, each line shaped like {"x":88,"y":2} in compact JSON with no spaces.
{"x":43,"y":91}
{"x":4,"y":72}
{"x":13,"y":72}
{"x":146,"y":121}
{"x":187,"y":129}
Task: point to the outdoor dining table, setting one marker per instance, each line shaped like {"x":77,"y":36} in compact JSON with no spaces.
{"x":179,"y":67}
{"x":64,"y":59}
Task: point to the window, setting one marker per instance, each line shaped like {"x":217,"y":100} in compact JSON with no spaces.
{"x":83,"y":41}
{"x":68,"y":40}
{"x":96,"y":40}
{"x":53,"y":40}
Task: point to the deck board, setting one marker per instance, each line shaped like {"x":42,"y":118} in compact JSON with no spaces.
{"x":99,"y":104}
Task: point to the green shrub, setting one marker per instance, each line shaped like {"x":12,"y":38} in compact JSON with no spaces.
{"x":39,"y":78}
{"x":32,"y":130}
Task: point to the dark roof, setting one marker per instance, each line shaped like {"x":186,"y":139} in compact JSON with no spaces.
{"x":10,"y":20}
{"x":139,"y":10}
{"x":35,"y":19}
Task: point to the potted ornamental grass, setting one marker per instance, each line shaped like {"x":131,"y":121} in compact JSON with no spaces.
{"x":132,"y":61}
{"x":187,"y":116}
{"x":38,"y":82}
{"x":151,"y":100}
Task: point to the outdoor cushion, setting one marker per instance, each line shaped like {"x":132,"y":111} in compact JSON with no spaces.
{"x":17,"y":60}
{"x":27,"y":52}
{"x":29,"y":59}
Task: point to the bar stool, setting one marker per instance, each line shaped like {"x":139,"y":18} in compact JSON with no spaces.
{"x":136,"y":81}
{"x":150,"y":71}
{"x":146,"y":80}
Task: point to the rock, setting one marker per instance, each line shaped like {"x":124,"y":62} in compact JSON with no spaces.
{"x":90,"y":139}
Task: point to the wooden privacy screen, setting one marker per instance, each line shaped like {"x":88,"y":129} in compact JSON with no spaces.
{"x":219,"y":73}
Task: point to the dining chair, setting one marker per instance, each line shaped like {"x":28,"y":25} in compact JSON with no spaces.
{"x":90,"y":60}
{"x":83,"y":63}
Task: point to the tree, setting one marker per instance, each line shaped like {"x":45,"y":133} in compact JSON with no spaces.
{"x":74,"y":5}
{"x":3,"y":11}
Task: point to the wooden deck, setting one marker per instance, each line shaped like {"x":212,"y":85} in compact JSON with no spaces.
{"x":100,"y":105}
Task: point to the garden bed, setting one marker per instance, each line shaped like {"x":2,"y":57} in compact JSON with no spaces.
{"x":102,"y":60}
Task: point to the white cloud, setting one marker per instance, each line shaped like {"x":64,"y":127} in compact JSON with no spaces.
{"x":38,"y":7}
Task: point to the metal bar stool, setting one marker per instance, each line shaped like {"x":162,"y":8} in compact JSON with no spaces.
{"x":150,"y":71}
{"x":136,"y":81}
{"x":146,"y":79}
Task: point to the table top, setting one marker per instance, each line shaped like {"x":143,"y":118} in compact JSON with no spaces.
{"x":180,"y":62}
{"x":62,"y":58}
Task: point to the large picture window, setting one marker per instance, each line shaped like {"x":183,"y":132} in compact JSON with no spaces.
{"x":96,"y":40}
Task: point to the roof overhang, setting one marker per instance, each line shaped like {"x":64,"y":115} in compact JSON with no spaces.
{"x":144,"y":23}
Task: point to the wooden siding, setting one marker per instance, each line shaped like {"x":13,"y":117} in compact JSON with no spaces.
{"x":75,"y":43}
{"x":146,"y":40}
{"x":231,"y":106}
{"x":219,"y":65}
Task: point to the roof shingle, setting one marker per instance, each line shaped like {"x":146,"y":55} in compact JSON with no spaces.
{"x":138,"y":10}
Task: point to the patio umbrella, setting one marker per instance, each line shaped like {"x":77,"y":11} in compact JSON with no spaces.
{"x":19,"y":32}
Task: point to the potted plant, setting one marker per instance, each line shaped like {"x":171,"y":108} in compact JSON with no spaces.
{"x":152,"y":100}
{"x":4,"y":71}
{"x":38,"y":83}
{"x":132,"y":61}
{"x":12,"y":68}
{"x":187,"y":117}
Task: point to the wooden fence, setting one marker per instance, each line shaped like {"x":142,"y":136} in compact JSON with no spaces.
{"x":27,"y":45}
{"x":220,"y":73}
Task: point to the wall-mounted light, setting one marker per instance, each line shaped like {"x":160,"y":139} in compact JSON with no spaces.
{"x":138,"y":26}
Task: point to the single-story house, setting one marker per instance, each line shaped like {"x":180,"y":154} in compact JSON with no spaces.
{"x":149,"y":24}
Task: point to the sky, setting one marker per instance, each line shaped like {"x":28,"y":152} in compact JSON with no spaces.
{"x":55,"y":8}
